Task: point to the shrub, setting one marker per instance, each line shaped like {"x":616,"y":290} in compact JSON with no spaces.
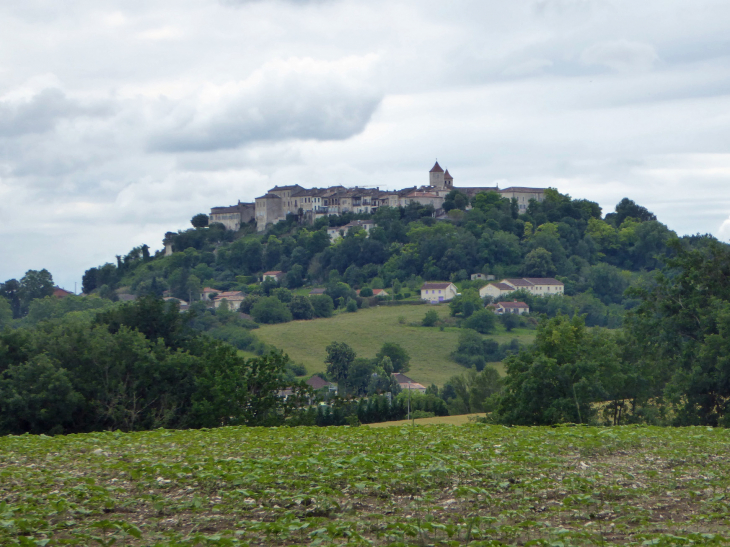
{"x":301,"y":308}
{"x":322,"y":305}
{"x":416,"y":414}
{"x":271,"y":310}
{"x":430,"y":319}
{"x":482,"y":321}
{"x":366,"y":292}
{"x":351,"y":306}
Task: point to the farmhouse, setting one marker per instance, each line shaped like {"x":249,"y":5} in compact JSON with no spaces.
{"x":274,"y":275}
{"x":438,"y":292}
{"x":316,"y":292}
{"x":336,"y":232}
{"x":317,"y":383}
{"x":539,"y":286}
{"x":232,"y":298}
{"x":518,"y":308}
{"x":406,"y":383}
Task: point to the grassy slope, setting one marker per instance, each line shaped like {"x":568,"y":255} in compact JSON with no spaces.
{"x":367,"y":330}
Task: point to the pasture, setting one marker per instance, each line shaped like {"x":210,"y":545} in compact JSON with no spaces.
{"x":437,"y":485}
{"x":367,"y":330}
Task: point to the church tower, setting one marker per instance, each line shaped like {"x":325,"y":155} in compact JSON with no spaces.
{"x":448,"y":180}
{"x":436,"y":176}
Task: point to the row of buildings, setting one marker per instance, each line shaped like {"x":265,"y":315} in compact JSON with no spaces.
{"x":313,"y":203}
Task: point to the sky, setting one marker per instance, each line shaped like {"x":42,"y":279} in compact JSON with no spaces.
{"x":119,"y":121}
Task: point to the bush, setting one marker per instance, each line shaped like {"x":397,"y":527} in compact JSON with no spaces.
{"x":301,"y":308}
{"x":430,"y":319}
{"x":416,"y":414}
{"x":482,"y":321}
{"x":351,"y":306}
{"x":270,"y":309}
{"x":366,"y":292}
{"x":298,"y":369}
{"x":322,"y":305}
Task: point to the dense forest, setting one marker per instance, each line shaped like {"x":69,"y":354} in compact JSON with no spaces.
{"x":89,"y":363}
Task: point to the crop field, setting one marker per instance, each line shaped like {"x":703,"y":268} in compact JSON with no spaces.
{"x":429,"y":485}
{"x":367,"y":330}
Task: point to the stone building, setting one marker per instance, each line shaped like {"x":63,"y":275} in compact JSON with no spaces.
{"x":309,"y":204}
{"x":234,"y":216}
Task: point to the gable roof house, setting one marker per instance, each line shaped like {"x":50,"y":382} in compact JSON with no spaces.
{"x":495,"y":290}
{"x":274,"y":275}
{"x":316,"y":292}
{"x":406,"y":383}
{"x":233,"y":298}
{"x":500,"y":308}
{"x":438,"y":292}
{"x":317,"y":383}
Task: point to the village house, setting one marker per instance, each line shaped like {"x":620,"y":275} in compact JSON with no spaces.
{"x":316,"y":292}
{"x":438,"y":292}
{"x":519,"y":308}
{"x":406,"y":383}
{"x":336,"y":232}
{"x":207,"y":294}
{"x":539,"y":286}
{"x":58,"y":292}
{"x":482,"y":277}
{"x":274,"y":275}
{"x":232,"y":298}
{"x":318,"y":383}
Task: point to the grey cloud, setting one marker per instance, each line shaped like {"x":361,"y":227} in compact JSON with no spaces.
{"x":299,"y":105}
{"x":42,"y":112}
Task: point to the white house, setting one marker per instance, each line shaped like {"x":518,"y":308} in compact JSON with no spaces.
{"x":438,"y":292}
{"x":500,"y":308}
{"x":232,"y":298}
{"x":335,"y":231}
{"x":274,"y":275}
{"x":495,"y":290}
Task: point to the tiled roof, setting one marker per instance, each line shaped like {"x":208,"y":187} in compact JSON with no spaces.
{"x":273,"y":272}
{"x":518,"y":282}
{"x":513,"y":305}
{"x":317,"y":291}
{"x":436,"y":168}
{"x":317,"y":382}
{"x":447,"y":175}
{"x":429,"y":286}
{"x":269,"y":196}
{"x":401,"y":378}
{"x":422,"y":195}
{"x":229,"y":294}
{"x":523,"y":189}
{"x":502,"y":286}
{"x":543,"y":281}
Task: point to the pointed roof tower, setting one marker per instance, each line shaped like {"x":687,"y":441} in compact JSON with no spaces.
{"x":436,"y":168}
{"x":447,"y":175}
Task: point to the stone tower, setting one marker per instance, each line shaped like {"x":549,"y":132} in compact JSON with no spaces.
{"x":448,"y":180}
{"x":436,"y":177}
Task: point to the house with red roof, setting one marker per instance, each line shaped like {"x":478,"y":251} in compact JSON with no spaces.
{"x":438,"y":292}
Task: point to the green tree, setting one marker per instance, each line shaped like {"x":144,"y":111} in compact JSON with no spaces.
{"x":483,"y":321}
{"x":10,"y":290}
{"x":539,"y":263}
{"x":561,"y":377}
{"x":301,"y":307}
{"x":199,"y":221}
{"x":340,"y":357}
{"x":398,"y":356}
{"x":34,"y":284}
{"x":322,"y":305}
{"x":6,"y":313}
{"x":270,"y":309}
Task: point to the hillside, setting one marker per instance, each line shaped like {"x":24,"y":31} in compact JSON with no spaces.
{"x":367,"y":330}
{"x":425,"y":485}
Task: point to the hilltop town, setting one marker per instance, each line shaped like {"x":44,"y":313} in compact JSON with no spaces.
{"x":309,"y":204}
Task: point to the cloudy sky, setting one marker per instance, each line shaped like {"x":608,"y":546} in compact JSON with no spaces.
{"x":121,"y":120}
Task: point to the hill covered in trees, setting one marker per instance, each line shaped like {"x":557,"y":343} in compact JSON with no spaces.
{"x":596,"y":256}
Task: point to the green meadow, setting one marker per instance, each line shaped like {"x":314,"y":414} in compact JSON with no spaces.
{"x":368,"y":329}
